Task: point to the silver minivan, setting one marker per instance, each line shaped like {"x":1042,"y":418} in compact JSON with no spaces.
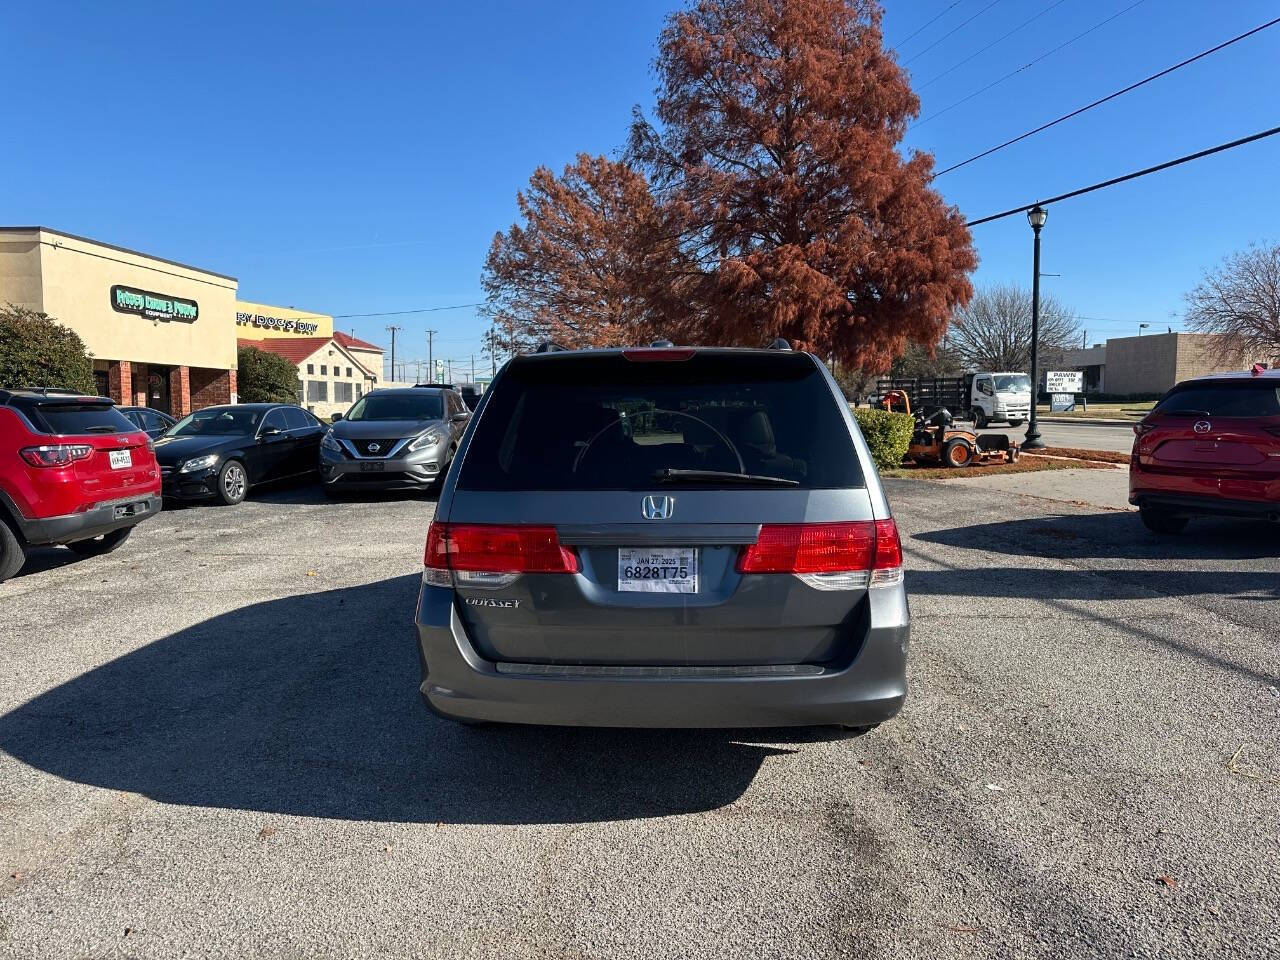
{"x":663,"y":537}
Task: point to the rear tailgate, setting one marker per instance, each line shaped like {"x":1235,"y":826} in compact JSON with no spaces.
{"x":582,"y":444}
{"x":121,"y":463}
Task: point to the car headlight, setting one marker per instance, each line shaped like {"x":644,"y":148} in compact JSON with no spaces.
{"x":199,"y":463}
{"x":431,"y":438}
{"x":330,"y":442}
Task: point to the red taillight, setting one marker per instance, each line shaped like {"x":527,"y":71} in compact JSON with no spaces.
{"x":823,"y":548}
{"x":650,"y":355}
{"x":496,"y":548}
{"x":56,"y":454}
{"x":1142,"y":427}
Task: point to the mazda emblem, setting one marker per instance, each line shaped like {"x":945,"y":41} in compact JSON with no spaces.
{"x":1202,"y":426}
{"x":375,"y":447}
{"x":658,"y":508}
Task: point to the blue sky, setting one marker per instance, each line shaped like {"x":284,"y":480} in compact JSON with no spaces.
{"x":353,"y":158}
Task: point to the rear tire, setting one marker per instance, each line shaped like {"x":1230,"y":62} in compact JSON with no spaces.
{"x":979,"y":419}
{"x":1162,"y":522}
{"x":233,"y":484}
{"x":957,"y":453}
{"x":100,"y":545}
{"x":852,"y":731}
{"x":12,"y":553}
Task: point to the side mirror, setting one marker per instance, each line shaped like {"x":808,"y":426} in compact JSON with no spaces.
{"x":335,"y":418}
{"x":460,"y":418}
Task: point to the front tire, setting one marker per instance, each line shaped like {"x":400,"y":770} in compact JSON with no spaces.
{"x":979,"y":419}
{"x":233,"y":484}
{"x":12,"y":553}
{"x":100,"y":545}
{"x":1161,"y":521}
{"x":957,"y":453}
{"x":1016,"y":423}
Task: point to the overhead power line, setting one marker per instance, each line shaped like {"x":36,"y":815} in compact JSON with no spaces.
{"x":930,"y":23}
{"x":1111,"y":96}
{"x":1000,"y":39}
{"x":1028,"y":64}
{"x":1128,"y":176}
{"x":401,"y":313}
{"x":952,"y":30}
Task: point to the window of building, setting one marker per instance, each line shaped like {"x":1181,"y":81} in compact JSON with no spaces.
{"x":341,"y":392}
{"x":359,"y":394}
{"x":348,"y":371}
{"x":311,"y":368}
{"x":317,"y":391}
{"x":324,"y":370}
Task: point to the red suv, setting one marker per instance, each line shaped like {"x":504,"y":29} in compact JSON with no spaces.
{"x":1210,"y":447}
{"x":73,"y":471}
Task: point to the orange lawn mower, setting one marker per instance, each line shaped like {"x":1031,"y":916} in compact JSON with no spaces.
{"x":935,"y":440}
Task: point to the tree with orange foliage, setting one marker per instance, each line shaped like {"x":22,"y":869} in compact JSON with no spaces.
{"x":771,"y":199}
{"x":571,"y":273}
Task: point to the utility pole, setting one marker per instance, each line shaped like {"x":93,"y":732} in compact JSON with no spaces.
{"x":473,"y":368}
{"x":431,"y":356}
{"x":391,"y":328}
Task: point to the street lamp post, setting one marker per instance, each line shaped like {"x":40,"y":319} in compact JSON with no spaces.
{"x":1036,"y":216}
{"x":1141,"y":327}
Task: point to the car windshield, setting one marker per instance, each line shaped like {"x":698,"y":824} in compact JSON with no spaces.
{"x":428,"y":405}
{"x":1012,"y":383}
{"x":607,"y":423}
{"x":1245,"y":398}
{"x":218,"y":421}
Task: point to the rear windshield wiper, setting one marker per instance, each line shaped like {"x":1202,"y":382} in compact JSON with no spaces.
{"x":672,"y":475}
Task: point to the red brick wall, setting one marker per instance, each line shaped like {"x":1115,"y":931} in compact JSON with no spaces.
{"x":210,"y":387}
{"x":120,"y":381}
{"x":179,"y":391}
{"x":141,"y":385}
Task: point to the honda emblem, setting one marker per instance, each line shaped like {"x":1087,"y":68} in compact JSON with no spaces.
{"x":1202,"y":426}
{"x":658,"y":508}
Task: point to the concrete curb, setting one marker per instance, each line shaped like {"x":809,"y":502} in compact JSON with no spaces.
{"x":1087,"y":421}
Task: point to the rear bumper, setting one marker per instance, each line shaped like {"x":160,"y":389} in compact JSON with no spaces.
{"x":103,"y":518}
{"x":1190,"y":505}
{"x":458,"y":682}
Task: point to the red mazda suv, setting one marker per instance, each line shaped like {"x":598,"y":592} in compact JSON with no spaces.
{"x":74,"y":471}
{"x":1211,"y":447}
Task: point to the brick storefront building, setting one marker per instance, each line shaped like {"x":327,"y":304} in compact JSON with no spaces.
{"x":161,"y":333}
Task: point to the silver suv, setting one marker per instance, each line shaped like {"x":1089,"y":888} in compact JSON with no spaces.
{"x":663,"y":537}
{"x":400,"y":438}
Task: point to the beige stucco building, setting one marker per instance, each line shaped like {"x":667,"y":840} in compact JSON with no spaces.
{"x":158,"y":330}
{"x":1150,"y":365}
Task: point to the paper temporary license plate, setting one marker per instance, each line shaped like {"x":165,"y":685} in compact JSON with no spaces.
{"x":120,"y":459}
{"x":658,"y":570}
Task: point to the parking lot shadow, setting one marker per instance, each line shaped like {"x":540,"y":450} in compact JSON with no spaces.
{"x":308,"y":705}
{"x":1113,"y":534}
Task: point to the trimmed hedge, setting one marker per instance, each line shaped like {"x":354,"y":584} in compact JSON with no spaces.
{"x":37,"y":351}
{"x":888,"y":434}
{"x":265,"y":377}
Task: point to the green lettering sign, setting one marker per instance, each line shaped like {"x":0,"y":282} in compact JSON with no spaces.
{"x":154,"y":306}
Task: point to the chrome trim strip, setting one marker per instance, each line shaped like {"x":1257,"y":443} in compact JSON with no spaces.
{"x":658,"y":673}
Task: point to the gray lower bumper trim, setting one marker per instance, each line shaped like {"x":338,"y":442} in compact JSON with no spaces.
{"x":662,"y":673}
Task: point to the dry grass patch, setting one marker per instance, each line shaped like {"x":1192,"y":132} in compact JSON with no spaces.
{"x":1024,"y":465}
{"x":1077,"y":453}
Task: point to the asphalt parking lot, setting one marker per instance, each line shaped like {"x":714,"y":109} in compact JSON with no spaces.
{"x":211,"y":744}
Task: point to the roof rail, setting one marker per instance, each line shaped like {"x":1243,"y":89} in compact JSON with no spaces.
{"x":550,"y":346}
{"x":45,"y":391}
{"x":780,"y":344}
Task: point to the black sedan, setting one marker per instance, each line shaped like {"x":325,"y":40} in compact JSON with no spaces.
{"x":221,"y":452}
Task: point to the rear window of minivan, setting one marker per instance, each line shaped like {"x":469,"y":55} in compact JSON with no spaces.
{"x":1224,"y":398}
{"x":604,"y":422}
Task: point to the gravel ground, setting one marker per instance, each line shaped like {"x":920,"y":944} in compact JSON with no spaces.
{"x":211,"y":745}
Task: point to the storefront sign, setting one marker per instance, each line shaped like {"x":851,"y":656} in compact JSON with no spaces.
{"x":1062,"y":402}
{"x":1063,"y":381}
{"x":154,"y":306}
{"x":287,"y":324}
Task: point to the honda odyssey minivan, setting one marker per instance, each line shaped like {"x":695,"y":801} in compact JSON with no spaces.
{"x":663,"y":537}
